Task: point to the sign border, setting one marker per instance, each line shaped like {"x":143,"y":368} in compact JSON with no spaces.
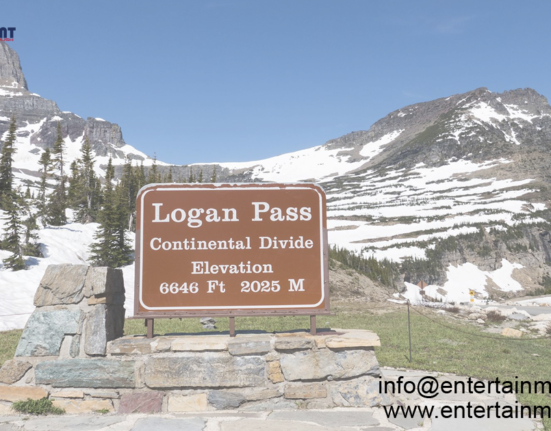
{"x":229,"y":311}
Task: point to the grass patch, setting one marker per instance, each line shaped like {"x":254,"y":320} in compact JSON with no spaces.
{"x":441,"y":344}
{"x":192,"y":325}
{"x":8,"y":344}
{"x":102,"y":411}
{"x":42,"y":406}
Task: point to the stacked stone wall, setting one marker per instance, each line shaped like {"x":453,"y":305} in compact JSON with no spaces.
{"x":73,"y":352}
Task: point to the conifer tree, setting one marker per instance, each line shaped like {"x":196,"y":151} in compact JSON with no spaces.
{"x":153,"y":174}
{"x":31,"y":247}
{"x":129,"y":188}
{"x":213,"y":177}
{"x":110,"y":247}
{"x":58,"y":151}
{"x":30,"y":227}
{"x":89,"y":203}
{"x":200,"y":178}
{"x":75,"y":189}
{"x":12,"y":230}
{"x":191,"y":178}
{"x":105,"y":235}
{"x":169,"y":178}
{"x":57,"y":203}
{"x":45,"y":172}
{"x":58,"y":199}
{"x":125,"y":220}
{"x":139,"y":174}
{"x":6,"y":161}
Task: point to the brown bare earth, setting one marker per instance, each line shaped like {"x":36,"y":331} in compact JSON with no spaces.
{"x":347,"y":285}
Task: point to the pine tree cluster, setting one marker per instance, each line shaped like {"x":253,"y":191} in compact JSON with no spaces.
{"x":118,"y":209}
{"x":384,"y":271}
{"x":19,"y":219}
{"x":110,"y":203}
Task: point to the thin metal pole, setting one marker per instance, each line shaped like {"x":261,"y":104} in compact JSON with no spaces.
{"x":313,"y":325}
{"x":150,"y":323}
{"x":409,"y":332}
{"x":232,"y":326}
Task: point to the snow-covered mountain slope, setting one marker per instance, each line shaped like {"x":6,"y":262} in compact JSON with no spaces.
{"x":478,"y":126}
{"x":313,"y":164}
{"x":460,"y":183}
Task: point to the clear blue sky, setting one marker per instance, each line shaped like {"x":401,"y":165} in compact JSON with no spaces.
{"x":240,"y":80}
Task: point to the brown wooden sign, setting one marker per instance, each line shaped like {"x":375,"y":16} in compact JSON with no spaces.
{"x":230,"y":250}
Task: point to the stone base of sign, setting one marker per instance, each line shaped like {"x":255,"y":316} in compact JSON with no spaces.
{"x":190,"y":373}
{"x":78,"y":310}
{"x":209,"y":372}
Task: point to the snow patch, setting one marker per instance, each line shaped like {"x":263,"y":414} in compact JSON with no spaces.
{"x":66,"y":244}
{"x":539,"y":301}
{"x":312,"y":163}
{"x":486,"y":113}
{"x":371,"y":149}
{"x":9,"y":93}
{"x":464,"y":278}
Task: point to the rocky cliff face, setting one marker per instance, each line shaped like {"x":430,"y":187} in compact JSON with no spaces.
{"x":11,"y":74}
{"x":476,"y":126}
{"x":37,"y":120}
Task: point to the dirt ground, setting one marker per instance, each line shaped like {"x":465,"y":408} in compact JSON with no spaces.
{"x":356,"y":292}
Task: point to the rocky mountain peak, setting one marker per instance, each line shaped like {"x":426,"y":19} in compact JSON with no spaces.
{"x":11,"y":74}
{"x":37,"y":119}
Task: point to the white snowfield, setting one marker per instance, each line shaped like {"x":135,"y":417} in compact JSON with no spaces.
{"x":317,"y":163}
{"x":464,"y":278}
{"x":309,"y":164}
{"x":65,"y":244}
{"x":437,"y":198}
{"x":371,"y":149}
{"x":70,"y":244}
